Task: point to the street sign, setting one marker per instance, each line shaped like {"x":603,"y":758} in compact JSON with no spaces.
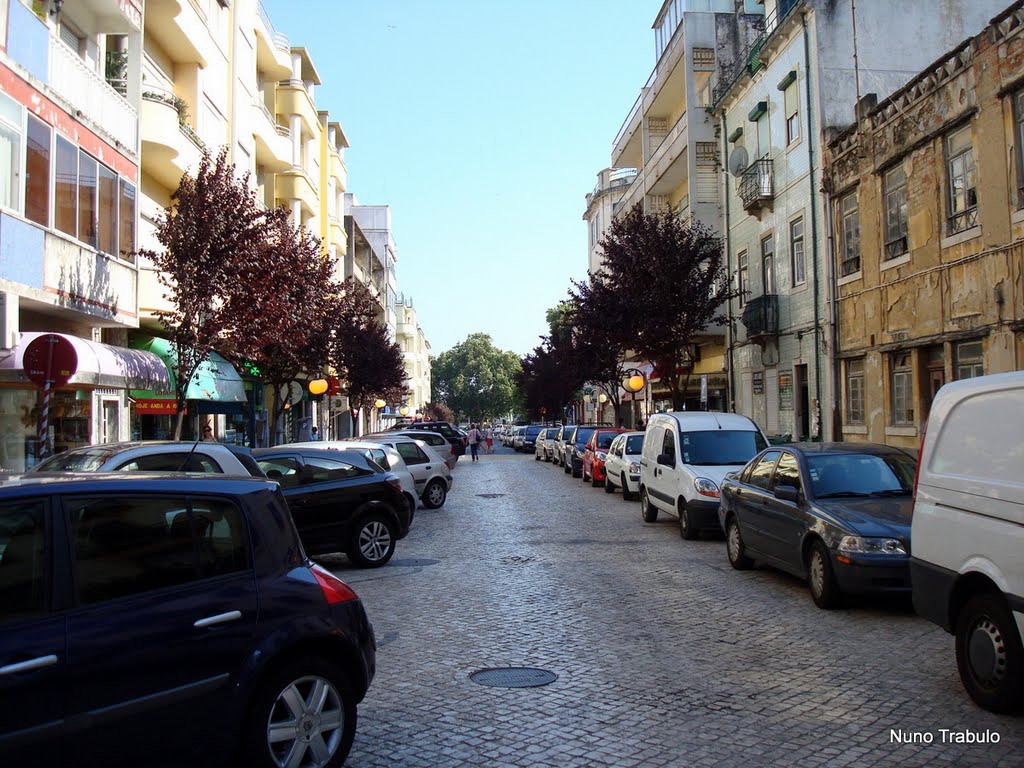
{"x":50,"y":359}
{"x":704,"y":390}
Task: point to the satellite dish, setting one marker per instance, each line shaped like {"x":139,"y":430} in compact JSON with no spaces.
{"x":738,"y":161}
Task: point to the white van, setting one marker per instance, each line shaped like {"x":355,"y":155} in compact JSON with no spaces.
{"x":686,"y":455}
{"x":967,"y":535}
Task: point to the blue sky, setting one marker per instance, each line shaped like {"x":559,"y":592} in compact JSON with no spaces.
{"x":483,"y":124}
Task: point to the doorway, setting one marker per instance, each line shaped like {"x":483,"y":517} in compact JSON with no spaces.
{"x":802,"y":406}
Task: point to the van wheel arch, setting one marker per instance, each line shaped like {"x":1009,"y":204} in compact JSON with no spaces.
{"x":967,"y":586}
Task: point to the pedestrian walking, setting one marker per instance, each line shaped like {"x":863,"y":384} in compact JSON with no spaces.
{"x":475,"y":438}
{"x":314,"y":434}
{"x":208,"y":434}
{"x":489,"y":438}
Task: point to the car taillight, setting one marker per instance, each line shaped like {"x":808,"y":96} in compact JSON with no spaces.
{"x":396,"y":484}
{"x":334,"y":589}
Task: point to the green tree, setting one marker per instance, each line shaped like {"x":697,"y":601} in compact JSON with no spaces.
{"x":475,"y":379}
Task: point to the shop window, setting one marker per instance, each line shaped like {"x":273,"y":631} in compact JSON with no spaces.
{"x":894,"y":189}
{"x":37,"y":172}
{"x":849,"y":235}
{"x":902,"y":380}
{"x":66,"y":187}
{"x":11,"y":142}
{"x":970,"y":360}
{"x":855,"y":391}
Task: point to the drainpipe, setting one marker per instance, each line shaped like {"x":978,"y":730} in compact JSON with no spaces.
{"x":731,"y":405}
{"x":814,"y":222}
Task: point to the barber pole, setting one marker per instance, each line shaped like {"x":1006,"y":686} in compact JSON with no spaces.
{"x":44,"y":422}
{"x":49,"y":361}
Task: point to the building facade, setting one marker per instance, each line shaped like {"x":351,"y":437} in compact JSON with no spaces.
{"x":799,"y":77}
{"x":927,"y":197}
{"x":415,"y":353}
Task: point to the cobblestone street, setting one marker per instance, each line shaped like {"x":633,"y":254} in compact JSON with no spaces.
{"x":665,"y":655}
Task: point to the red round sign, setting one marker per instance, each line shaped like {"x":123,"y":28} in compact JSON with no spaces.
{"x":50,"y":358}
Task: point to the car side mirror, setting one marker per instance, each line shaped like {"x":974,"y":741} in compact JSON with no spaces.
{"x":666,"y":460}
{"x":788,"y":493}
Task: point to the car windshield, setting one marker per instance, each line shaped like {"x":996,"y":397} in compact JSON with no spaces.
{"x":604,"y":439}
{"x":721,"y":447}
{"x":583,"y":435}
{"x":634,"y":444}
{"x":533,"y":431}
{"x":77,"y":461}
{"x":861,"y":474}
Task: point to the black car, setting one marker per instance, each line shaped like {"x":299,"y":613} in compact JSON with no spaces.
{"x":170,"y":620}
{"x":530,"y":438}
{"x":574,"y":450}
{"x":837,"y":514}
{"x":453,"y":435}
{"x":340,"y":501}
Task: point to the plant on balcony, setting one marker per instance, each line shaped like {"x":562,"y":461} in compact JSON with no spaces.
{"x":171,"y":99}
{"x":116,"y":71}
{"x":663,"y":282}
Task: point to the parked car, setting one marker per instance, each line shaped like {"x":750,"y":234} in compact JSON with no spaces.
{"x":384,"y":455}
{"x":837,"y":514}
{"x":340,"y":502}
{"x":542,"y":448}
{"x":594,"y":454}
{"x":153,"y":456}
{"x":452,"y":434}
{"x":686,"y":455}
{"x":430,"y":474}
{"x":170,"y":620}
{"x":622,"y":464}
{"x":575,"y":448}
{"x":518,"y":438}
{"x":558,"y":446}
{"x":968,"y":533}
{"x":530,"y":437}
{"x":435,"y":440}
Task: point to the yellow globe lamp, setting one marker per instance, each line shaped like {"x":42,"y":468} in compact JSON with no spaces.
{"x":318,"y":386}
{"x":404,"y":410}
{"x":378,"y":403}
{"x":602,"y":398}
{"x":634,"y":383}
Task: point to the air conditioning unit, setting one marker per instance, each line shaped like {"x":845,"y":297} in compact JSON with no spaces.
{"x":339,"y":403}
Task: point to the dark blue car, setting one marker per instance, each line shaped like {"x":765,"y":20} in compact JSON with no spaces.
{"x":169,"y":620}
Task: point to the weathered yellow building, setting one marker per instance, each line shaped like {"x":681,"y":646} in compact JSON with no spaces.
{"x":927,"y":220}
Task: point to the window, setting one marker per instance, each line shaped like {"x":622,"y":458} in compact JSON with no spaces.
{"x":66,"y":187}
{"x":849,"y":235}
{"x":855,"y":391}
{"x":88,"y":169}
{"x":284,"y":469}
{"x":902,"y":390}
{"x":744,"y":278}
{"x":761,"y":474}
{"x":180,"y":461}
{"x":764,"y":142}
{"x":970,"y":360}
{"x":411,"y":453}
{"x":323,"y":470}
{"x":107,"y":211}
{"x":796,"y":251}
{"x":126,"y":221}
{"x":787,"y":472}
{"x":37,"y":172}
{"x":768,"y":265}
{"x":720,"y":447}
{"x":894,"y":190}
{"x":963,"y":181}
{"x":668,"y":446}
{"x":1018,"y":116}
{"x":10,"y":151}
{"x":22,"y":560}
{"x":792,"y":106}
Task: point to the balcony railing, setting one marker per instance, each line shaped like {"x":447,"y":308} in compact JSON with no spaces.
{"x":757,"y":184}
{"x":83,"y":87}
{"x":280,"y":40}
{"x":963,"y":220}
{"x":750,"y":60}
{"x":761,"y":316}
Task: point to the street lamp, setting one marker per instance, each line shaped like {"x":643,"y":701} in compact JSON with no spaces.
{"x":404,"y":410}
{"x":318,"y":386}
{"x":378,"y":403}
{"x":635,"y":382}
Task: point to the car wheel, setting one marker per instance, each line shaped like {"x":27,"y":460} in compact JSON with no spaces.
{"x":303,"y":713}
{"x":686,"y":531}
{"x":609,"y":486}
{"x":373,"y":540}
{"x":435,"y":494}
{"x":989,"y":654}
{"x":627,"y":495}
{"x":735,"y":548}
{"x":576,"y":472}
{"x":566,"y":468}
{"x":822,"y":580}
{"x":647,"y":510}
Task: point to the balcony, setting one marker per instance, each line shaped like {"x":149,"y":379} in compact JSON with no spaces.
{"x":757,"y":186}
{"x":180,"y":28}
{"x":93,"y":97}
{"x":294,"y":99}
{"x":273,"y":50}
{"x":667,"y":167}
{"x":338,"y":169}
{"x":170,"y":148}
{"x":273,"y":141}
{"x":761,"y":317}
{"x":295,"y":184}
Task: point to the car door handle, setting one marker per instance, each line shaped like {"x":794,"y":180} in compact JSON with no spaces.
{"x":29,"y":666}
{"x":220,"y":618}
{"x":429,"y":467}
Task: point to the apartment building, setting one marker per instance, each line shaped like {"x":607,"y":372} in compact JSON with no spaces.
{"x":374,"y":255}
{"x":799,"y":77}
{"x":415,"y":353}
{"x":665,"y":156}
{"x":69,"y":187}
{"x":927,"y":192}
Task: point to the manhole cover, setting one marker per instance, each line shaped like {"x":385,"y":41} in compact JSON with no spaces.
{"x":513,"y":677}
{"x":490,"y":495}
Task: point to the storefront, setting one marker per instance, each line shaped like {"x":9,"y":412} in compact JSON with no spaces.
{"x":216,"y":394}
{"x":91,"y":408}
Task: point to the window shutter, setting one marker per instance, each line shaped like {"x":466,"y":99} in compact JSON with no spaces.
{"x":792,"y":100}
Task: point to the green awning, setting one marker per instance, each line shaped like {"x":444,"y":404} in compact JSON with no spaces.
{"x":215,"y":380}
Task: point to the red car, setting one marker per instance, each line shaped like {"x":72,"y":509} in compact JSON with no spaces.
{"x":595,"y":452}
